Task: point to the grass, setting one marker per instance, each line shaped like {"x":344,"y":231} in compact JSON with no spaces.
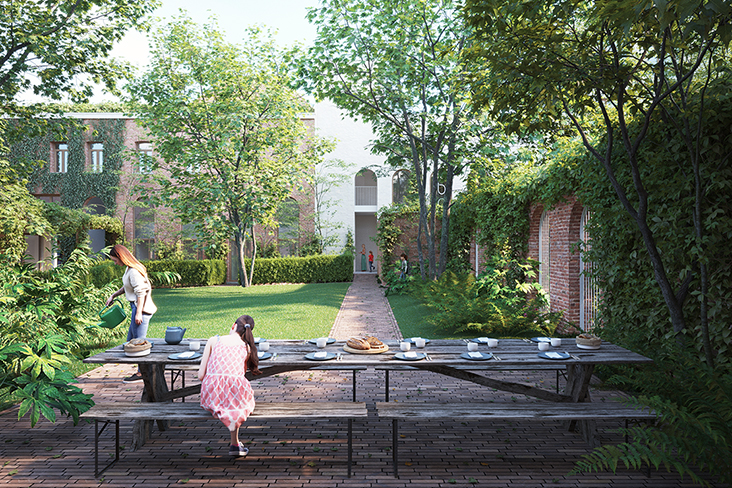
{"x":411,"y":316}
{"x":300,"y":311}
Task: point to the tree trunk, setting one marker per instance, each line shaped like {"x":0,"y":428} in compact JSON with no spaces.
{"x":239,"y":243}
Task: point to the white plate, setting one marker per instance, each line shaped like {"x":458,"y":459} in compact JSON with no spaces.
{"x":554,"y":355}
{"x":406,"y":356}
{"x":582,"y":346}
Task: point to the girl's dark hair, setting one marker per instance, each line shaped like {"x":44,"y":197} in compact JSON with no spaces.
{"x":244,"y":327}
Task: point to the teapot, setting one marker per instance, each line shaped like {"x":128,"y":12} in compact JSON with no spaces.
{"x":173,"y":335}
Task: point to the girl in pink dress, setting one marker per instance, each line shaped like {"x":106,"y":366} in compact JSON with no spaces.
{"x":225,"y":390}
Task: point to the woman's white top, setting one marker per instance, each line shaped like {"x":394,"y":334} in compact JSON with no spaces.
{"x":135,"y":286}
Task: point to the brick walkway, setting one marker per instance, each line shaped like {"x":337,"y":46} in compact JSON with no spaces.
{"x":313,"y":455}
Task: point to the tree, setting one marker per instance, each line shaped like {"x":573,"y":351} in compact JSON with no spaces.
{"x":48,"y":46}
{"x":329,"y":175}
{"x":548,"y":65}
{"x":397,"y":65}
{"x":226,"y":126}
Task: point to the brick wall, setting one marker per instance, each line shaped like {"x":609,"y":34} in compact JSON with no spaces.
{"x":564,"y":234}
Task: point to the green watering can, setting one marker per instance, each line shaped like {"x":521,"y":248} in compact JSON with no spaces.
{"x":112,"y":316}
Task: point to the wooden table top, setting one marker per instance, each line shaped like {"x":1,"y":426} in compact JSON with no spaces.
{"x":291,"y":353}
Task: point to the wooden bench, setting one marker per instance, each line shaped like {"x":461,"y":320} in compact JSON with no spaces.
{"x":506,"y":411}
{"x":558,"y":369}
{"x":113,"y":412}
{"x":178,"y":371}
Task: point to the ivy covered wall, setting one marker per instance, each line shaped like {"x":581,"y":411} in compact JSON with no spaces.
{"x":78,"y":184}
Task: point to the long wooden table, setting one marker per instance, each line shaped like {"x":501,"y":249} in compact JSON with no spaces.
{"x":444,"y":357}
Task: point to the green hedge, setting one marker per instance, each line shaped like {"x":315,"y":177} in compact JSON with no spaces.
{"x":205,"y":272}
{"x":104,"y":273}
{"x":309,"y":269}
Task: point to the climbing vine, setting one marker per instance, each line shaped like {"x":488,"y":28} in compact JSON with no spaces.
{"x":77,"y":185}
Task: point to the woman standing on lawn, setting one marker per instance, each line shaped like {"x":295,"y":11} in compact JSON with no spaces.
{"x":138,"y":290}
{"x":225,"y":390}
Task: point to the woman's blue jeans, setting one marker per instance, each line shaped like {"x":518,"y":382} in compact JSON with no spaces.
{"x":138,"y":331}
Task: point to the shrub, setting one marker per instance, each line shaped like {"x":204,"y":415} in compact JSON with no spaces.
{"x":310,"y":269}
{"x":494,"y":303}
{"x":204,"y":272}
{"x":104,"y":273}
{"x":45,"y":320}
{"x":694,"y":404}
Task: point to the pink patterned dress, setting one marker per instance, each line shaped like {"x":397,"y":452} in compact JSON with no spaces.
{"x":225,"y":391}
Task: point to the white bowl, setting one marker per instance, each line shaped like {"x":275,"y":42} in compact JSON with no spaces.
{"x":138,"y":353}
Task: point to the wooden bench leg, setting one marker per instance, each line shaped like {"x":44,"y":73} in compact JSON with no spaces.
{"x":395,"y":446}
{"x":350,"y":444}
{"x":97,"y":433}
{"x":354,"y":385}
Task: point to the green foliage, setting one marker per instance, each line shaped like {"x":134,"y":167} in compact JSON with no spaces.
{"x":45,"y":319}
{"x":426,"y":124}
{"x":105,"y":273}
{"x":388,"y":233}
{"x":76,"y":186}
{"x":694,"y":431}
{"x":190,"y":272}
{"x":310,"y":269}
{"x":227,"y":127}
{"x":20,"y":214}
{"x":495,"y":302}
{"x":48,"y":47}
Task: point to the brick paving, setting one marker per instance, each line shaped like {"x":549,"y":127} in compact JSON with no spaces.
{"x":296,"y":454}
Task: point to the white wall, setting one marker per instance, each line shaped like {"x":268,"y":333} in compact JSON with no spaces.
{"x":353,"y":139}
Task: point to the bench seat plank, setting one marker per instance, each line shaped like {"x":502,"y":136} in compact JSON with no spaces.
{"x":510,"y":411}
{"x":188,"y":411}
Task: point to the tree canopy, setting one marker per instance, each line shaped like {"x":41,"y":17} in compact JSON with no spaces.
{"x":57,"y":48}
{"x":556,"y":65}
{"x":227,"y":127}
{"x":397,"y":66}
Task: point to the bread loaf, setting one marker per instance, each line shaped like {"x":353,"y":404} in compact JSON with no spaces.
{"x":374,"y":342}
{"x":358,"y":343}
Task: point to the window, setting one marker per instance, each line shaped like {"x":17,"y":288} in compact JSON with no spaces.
{"x":288,"y":216}
{"x":145,"y":158}
{"x":399,"y":186}
{"x":60,"y":163}
{"x":589,"y":291}
{"x":96,"y":153}
{"x":144,"y":232}
{"x":366,"y":189}
{"x":544,"y":258}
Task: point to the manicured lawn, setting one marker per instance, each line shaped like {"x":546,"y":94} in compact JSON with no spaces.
{"x":301,"y":311}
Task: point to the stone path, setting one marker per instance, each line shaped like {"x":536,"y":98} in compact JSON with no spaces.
{"x":365,"y":311}
{"x":283,"y":454}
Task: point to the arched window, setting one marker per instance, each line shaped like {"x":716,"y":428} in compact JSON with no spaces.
{"x":589,"y":293}
{"x":544,"y":247}
{"x":366,"y":187}
{"x":399,"y":186}
{"x":144,"y":232}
